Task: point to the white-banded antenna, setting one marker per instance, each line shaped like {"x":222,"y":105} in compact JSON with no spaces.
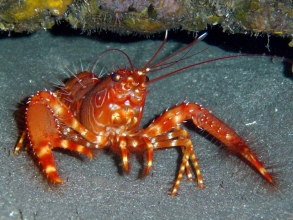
{"x":203,"y":36}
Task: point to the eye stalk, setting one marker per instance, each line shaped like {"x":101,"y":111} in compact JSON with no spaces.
{"x":115,"y":77}
{"x":147,"y":79}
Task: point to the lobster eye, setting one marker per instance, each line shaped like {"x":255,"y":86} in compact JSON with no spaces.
{"x":147,"y":79}
{"x":115,"y":76}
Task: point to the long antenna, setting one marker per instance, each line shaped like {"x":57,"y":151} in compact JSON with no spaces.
{"x":158,"y":50}
{"x":106,"y":51}
{"x":189,"y":46}
{"x":212,"y":60}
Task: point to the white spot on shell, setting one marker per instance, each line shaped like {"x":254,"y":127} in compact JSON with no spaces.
{"x":228,"y":137}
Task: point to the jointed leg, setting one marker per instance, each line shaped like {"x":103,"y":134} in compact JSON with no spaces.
{"x":43,"y":151}
{"x":136,"y":144}
{"x":149,"y":156}
{"x":180,"y":137}
{"x":124,"y":153}
{"x":20,"y":142}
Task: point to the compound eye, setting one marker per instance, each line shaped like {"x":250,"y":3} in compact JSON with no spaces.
{"x":147,"y":79}
{"x":115,"y":76}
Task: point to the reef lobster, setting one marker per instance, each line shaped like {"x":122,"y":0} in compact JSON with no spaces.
{"x":91,"y":112}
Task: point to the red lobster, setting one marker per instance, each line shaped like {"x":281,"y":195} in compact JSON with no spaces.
{"x":90,"y":112}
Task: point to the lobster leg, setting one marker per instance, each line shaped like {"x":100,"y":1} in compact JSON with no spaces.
{"x":182,"y":134}
{"x":149,"y":155}
{"x":135,"y":144}
{"x":43,"y":114}
{"x":20,"y":142}
{"x":202,"y":118}
{"x":164,"y":141}
{"x":124,"y":153}
{"x":180,"y":138}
